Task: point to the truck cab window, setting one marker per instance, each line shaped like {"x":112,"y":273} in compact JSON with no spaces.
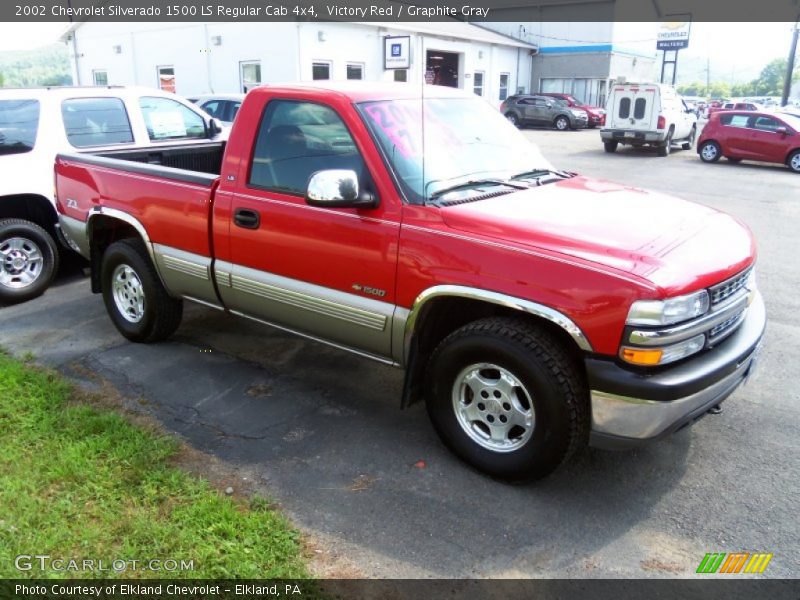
{"x":296,"y":139}
{"x":168,"y":120}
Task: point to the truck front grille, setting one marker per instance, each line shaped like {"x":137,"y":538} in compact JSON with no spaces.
{"x":726,"y":289}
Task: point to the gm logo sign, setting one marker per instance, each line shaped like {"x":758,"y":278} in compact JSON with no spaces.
{"x":737,"y":562}
{"x":396,"y":49}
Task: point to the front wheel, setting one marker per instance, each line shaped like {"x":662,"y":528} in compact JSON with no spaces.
{"x":562,"y":123}
{"x":28,"y":260}
{"x":793,"y":162}
{"x":710,"y":152}
{"x":506,"y":398}
{"x":137,"y":302}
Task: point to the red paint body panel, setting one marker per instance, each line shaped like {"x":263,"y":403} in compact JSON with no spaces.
{"x":749,"y":143}
{"x":587,"y":248}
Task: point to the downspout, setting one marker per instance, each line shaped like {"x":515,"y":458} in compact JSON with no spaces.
{"x":75,"y":55}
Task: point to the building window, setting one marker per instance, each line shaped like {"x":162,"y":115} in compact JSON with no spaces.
{"x":355,"y":71}
{"x":100,"y":77}
{"x":477,"y":83}
{"x":250,"y":74}
{"x":503,"y":86}
{"x":166,"y":79}
{"x":321,"y":70}
{"x":401,"y":75}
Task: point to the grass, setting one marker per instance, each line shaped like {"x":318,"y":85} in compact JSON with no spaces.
{"x":79,"y":481}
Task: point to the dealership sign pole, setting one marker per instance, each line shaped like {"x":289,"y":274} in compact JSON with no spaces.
{"x":672,"y":37}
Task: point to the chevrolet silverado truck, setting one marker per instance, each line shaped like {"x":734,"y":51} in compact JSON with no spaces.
{"x":534,"y":310}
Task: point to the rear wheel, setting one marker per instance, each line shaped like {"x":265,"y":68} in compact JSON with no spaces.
{"x":506,"y":398}
{"x":513,"y":119}
{"x":611,"y":146}
{"x":793,"y":161}
{"x":710,"y":152}
{"x":687,"y":145}
{"x":665,"y":148}
{"x":562,"y":123}
{"x":137,"y":302}
{"x":28,"y":260}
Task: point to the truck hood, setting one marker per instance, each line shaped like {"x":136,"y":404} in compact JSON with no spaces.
{"x":674,"y":244}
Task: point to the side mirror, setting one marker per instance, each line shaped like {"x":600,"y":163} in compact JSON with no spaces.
{"x":549,"y":105}
{"x":214,"y":127}
{"x":782,"y":131}
{"x":338,"y":188}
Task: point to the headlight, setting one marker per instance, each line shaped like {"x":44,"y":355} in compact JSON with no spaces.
{"x":667,"y":312}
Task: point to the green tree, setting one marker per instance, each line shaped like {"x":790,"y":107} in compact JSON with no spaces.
{"x":2,"y":80}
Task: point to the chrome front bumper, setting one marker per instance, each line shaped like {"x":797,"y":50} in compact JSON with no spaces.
{"x":660,"y":404}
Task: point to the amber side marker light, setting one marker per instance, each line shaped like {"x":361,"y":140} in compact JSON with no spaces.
{"x":642,"y":356}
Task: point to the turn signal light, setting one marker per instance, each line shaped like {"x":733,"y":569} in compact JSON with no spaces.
{"x":662,"y":122}
{"x":642,"y":356}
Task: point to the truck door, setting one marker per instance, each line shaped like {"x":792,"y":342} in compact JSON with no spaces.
{"x":324,"y":272}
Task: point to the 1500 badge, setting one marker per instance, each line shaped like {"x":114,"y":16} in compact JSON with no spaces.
{"x":369,"y":290}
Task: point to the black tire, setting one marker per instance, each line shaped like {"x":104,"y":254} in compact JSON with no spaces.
{"x":561,"y":123}
{"x":793,"y":162}
{"x":733,"y":159}
{"x":611,"y":146}
{"x":24,"y":246}
{"x":665,"y":148}
{"x":160,"y":315}
{"x":687,"y":145}
{"x":710,"y":151}
{"x":548,"y":376}
{"x":513,"y":119}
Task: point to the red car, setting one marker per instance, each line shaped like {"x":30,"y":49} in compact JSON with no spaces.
{"x":719,"y":106}
{"x":597,"y":115}
{"x":534,"y":310}
{"x":762,"y":136}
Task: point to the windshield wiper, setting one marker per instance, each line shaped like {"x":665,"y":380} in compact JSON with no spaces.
{"x":474,"y":183}
{"x":536,"y":174}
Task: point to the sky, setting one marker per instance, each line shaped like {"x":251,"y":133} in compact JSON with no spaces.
{"x":737,"y":51}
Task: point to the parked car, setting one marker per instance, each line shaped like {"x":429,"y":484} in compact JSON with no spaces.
{"x":647,"y":114}
{"x":36,"y":124}
{"x":746,"y":135}
{"x":220,"y":106}
{"x":534,"y":310}
{"x":735,"y":106}
{"x":525,"y":109}
{"x":596,"y":115}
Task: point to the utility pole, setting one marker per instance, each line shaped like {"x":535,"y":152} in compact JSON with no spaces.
{"x":787,"y":80}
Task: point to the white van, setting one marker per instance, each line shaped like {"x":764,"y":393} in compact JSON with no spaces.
{"x":37,"y":123}
{"x":647,"y":114}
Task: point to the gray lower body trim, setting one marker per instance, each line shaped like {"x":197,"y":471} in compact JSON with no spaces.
{"x":185,"y":274}
{"x":75,"y":233}
{"x":322,"y":313}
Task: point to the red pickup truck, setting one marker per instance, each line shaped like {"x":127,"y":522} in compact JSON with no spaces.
{"x":534,"y":310}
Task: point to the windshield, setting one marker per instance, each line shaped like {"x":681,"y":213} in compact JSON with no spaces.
{"x":465,"y":139}
{"x":19,"y":121}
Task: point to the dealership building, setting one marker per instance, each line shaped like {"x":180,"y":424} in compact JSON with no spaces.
{"x":494,"y":60}
{"x":196,"y":58}
{"x":583,"y":58}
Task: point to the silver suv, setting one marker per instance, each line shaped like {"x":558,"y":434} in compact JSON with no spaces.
{"x":541,"y":110}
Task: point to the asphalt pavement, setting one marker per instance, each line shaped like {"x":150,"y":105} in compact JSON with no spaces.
{"x":320,"y":430}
